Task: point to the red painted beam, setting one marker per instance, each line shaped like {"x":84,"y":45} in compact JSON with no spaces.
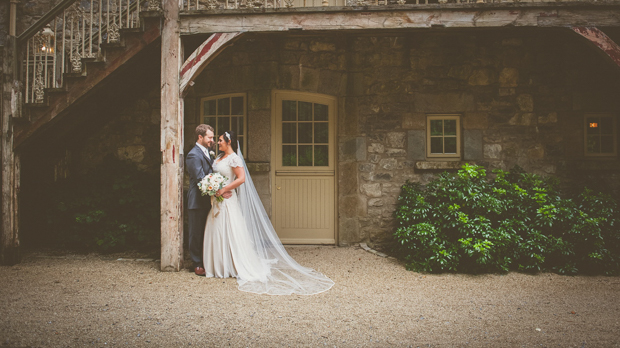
{"x":601,"y":40}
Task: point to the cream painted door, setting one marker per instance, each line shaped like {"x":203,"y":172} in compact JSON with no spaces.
{"x":304,"y":176}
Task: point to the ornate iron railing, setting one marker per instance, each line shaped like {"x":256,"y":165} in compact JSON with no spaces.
{"x":72,"y":31}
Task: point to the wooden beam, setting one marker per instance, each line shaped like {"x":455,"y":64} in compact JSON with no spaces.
{"x":410,"y":18}
{"x":9,"y":237}
{"x":171,"y":141}
{"x":202,"y":56}
{"x":600,"y":40}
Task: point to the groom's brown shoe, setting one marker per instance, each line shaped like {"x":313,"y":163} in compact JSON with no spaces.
{"x":199,"y":271}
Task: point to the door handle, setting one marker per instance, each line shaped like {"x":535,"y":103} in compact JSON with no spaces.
{"x":278,"y":187}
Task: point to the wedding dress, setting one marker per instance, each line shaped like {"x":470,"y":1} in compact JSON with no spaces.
{"x":240,"y":242}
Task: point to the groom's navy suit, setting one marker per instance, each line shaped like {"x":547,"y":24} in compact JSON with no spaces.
{"x":198,"y":165}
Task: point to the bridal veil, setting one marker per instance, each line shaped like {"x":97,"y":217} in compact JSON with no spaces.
{"x":286,"y":275}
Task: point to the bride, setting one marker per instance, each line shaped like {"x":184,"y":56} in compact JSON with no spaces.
{"x":241,"y":242}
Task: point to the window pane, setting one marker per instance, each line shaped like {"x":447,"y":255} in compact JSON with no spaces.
{"x":593,"y":145}
{"x":289,"y":133}
{"x":236,"y":106}
{"x":437,"y":145}
{"x":321,"y":156}
{"x":320,"y":112}
{"x":289,"y":155}
{"x":289,"y":110}
{"x":305,"y":132}
{"x":305,"y":111}
{"x":607,"y":144}
{"x":209,"y":120}
{"x":233,"y":124}
{"x":607,"y":125}
{"x":223,"y":124}
{"x":450,"y":144}
{"x":593,"y":125}
{"x":305,"y":155}
{"x":240,"y":139}
{"x":240,"y":124}
{"x":321,"y":133}
{"x":436,"y":127}
{"x":449,"y":127}
{"x":209,"y":107}
{"x":223,"y":106}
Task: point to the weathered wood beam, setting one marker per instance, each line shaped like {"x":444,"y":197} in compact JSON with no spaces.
{"x":9,"y":237}
{"x":334,"y":19}
{"x":600,"y":40}
{"x":202,"y":56}
{"x":171,"y":141}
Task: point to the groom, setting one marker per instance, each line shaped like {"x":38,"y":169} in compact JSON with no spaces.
{"x":199,"y":163}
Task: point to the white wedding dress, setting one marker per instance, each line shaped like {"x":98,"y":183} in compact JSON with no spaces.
{"x":240,"y":242}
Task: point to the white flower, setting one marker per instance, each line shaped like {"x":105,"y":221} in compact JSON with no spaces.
{"x":212,"y":154}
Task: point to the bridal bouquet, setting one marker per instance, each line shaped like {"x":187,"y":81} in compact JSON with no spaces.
{"x":211,"y":183}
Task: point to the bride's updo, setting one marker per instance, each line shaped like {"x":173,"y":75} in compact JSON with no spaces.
{"x":230,"y":138}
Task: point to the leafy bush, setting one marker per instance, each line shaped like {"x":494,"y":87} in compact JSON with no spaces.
{"x":467,"y":222}
{"x":112,"y":208}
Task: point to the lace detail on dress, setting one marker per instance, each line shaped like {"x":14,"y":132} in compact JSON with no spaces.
{"x":235,"y":161}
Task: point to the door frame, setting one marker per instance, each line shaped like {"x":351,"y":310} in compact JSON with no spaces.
{"x":273,"y":164}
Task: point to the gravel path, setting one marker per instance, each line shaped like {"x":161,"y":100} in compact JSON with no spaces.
{"x":78,"y":301}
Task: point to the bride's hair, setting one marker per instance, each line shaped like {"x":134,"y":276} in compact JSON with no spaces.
{"x":231,"y":138}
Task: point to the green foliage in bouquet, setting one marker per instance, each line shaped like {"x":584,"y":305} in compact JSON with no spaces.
{"x":470,"y":223}
{"x":114,"y":207}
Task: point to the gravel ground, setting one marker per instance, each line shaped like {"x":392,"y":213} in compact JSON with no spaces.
{"x":94,"y":300}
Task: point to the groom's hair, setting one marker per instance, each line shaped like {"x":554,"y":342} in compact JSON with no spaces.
{"x":202,"y":130}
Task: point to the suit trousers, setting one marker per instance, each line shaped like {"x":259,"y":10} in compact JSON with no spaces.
{"x":197,"y":219}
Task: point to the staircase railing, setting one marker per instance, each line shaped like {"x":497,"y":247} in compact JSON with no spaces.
{"x":72,"y":31}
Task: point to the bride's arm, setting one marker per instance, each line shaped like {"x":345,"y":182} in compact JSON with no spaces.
{"x":240,"y":174}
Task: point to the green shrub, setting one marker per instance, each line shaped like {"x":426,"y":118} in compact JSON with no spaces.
{"x":467,"y":222}
{"x":114,"y":207}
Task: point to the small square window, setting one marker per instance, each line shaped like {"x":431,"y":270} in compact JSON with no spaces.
{"x":225,"y":112}
{"x":443,"y":134}
{"x":600,"y":135}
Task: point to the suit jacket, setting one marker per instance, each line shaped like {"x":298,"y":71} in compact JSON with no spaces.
{"x":198,"y":166}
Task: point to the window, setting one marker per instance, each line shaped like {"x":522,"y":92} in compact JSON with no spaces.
{"x":600,"y":135}
{"x":305,"y":134}
{"x":225,"y":112}
{"x":443,"y":136}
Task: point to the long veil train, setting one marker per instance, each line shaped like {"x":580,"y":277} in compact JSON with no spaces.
{"x":287,"y":276}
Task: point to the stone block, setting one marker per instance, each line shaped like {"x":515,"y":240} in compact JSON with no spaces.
{"x":396,"y":139}
{"x":134,"y":153}
{"x":372,"y":190}
{"x":259,"y":99}
{"x":256,"y":167}
{"x":347,"y":180}
{"x":366,"y":167}
{"x":475,"y":120}
{"x":414,"y":121}
{"x":509,"y":77}
{"x":482,"y":77}
{"x":288,"y":77}
{"x":331,"y":82}
{"x":349,"y":206}
{"x":396,"y":152}
{"x":375,"y":202}
{"x":348,"y":231}
{"x":438,"y":165}
{"x":309,"y":80}
{"x":348,"y":124}
{"x":472,"y":141}
{"x":416,"y":144}
{"x":551,"y":117}
{"x":444,"y":102}
{"x":376,"y":148}
{"x":353,"y":149}
{"x":536,"y":152}
{"x":522,"y":119}
{"x":525,"y":102}
{"x":504,"y":92}
{"x":492,"y":151}
{"x":318,"y":46}
{"x":259,"y":136}
{"x":382,"y":177}
{"x":388,"y":163}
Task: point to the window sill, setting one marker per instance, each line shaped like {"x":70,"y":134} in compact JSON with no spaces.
{"x":441,"y":165}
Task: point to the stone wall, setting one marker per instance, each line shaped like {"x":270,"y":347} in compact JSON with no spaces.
{"x":521,"y":95}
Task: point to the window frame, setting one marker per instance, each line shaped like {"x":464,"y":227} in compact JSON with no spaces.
{"x":202,"y":117}
{"x":449,"y":156}
{"x":614,"y":134}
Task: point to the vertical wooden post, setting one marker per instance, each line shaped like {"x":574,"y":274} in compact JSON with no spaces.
{"x":171,"y":141}
{"x":9,"y":238}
